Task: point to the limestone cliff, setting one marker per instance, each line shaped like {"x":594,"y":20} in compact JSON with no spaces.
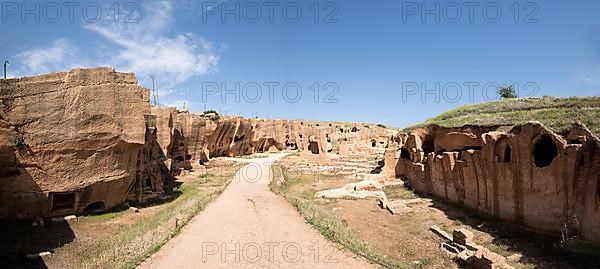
{"x":88,"y":140}
{"x":69,"y":140}
{"x":525,"y":173}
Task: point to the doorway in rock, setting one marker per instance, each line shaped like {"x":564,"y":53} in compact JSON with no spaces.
{"x":404,"y":154}
{"x":313,"y":147}
{"x":94,"y":207}
{"x":148,"y":183}
{"x":63,"y":201}
{"x":544,"y":151}
{"x":503,"y":151}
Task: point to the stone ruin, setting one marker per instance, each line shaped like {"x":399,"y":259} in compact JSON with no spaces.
{"x":527,"y":173}
{"x":88,"y":140}
{"x":152,"y":174}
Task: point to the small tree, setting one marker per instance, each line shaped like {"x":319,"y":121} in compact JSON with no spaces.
{"x":507,"y":92}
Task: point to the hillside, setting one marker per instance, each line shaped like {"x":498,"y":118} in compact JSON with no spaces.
{"x":556,"y":113}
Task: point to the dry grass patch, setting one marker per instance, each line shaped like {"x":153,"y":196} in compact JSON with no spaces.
{"x":299,"y":189}
{"x":405,"y":241}
{"x":123,"y":239}
{"x":395,"y":192}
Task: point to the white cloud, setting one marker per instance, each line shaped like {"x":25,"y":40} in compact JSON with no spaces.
{"x":146,"y":48}
{"x":61,"y":55}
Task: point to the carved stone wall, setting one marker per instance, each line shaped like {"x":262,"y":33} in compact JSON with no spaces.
{"x":527,"y":173}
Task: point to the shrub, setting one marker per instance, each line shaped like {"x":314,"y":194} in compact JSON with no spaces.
{"x":19,"y":142}
{"x":507,"y":92}
{"x":214,"y":115}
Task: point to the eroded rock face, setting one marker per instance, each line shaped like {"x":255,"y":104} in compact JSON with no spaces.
{"x":527,"y":174}
{"x":88,"y":139}
{"x":69,"y":140}
{"x":153,"y":177}
{"x":235,"y":136}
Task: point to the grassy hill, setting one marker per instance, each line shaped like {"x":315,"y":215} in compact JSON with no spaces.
{"x":556,"y":113}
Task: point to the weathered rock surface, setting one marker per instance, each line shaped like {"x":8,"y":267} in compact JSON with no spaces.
{"x":483,"y":258}
{"x":342,"y":193}
{"x":468,"y":254}
{"x":527,"y":173}
{"x":88,"y":139}
{"x":69,"y":140}
{"x":462,"y":236}
{"x":359,"y":190}
{"x":396,"y":207}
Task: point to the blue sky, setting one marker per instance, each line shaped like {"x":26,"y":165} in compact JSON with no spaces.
{"x":369,"y":61}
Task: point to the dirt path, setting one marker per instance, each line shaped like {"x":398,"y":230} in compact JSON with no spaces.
{"x":248,"y":226}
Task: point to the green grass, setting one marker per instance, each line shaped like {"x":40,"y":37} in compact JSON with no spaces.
{"x":398,"y":192}
{"x":328,"y":224}
{"x":556,"y":113}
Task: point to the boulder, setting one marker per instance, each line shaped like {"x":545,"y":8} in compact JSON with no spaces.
{"x":462,"y":236}
{"x":398,"y":207}
{"x":204,"y":155}
{"x":441,"y":233}
{"x":486,"y":259}
{"x":365,"y":185}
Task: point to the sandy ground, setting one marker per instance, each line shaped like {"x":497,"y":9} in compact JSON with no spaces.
{"x":248,"y":226}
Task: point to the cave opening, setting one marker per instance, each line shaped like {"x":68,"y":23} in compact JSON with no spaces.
{"x":238,"y":139}
{"x":291,"y":145}
{"x":544,"y":151}
{"x":62,"y":201}
{"x":313,"y":147}
{"x":507,"y":154}
{"x":598,"y":189}
{"x":94,"y":207}
{"x":404,"y":154}
{"x":428,"y":146}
